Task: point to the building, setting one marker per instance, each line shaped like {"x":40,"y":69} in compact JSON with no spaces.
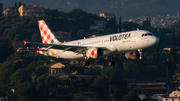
{"x":56,"y":70}
{"x":142,"y":87}
{"x":89,"y":96}
{"x":99,"y":25}
{"x":108,"y":16}
{"x":176,"y":77}
{"x":174,"y":96}
{"x":31,"y":11}
{"x":10,"y":11}
{"x":63,"y":36}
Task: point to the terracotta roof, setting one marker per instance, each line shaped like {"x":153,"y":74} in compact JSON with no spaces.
{"x":150,"y":88}
{"x":177,"y":74}
{"x":32,"y":7}
{"x":58,"y":65}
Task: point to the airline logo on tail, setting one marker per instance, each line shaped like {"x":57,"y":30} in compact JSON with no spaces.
{"x":46,"y":35}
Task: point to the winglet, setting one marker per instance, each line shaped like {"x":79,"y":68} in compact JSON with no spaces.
{"x":24,"y":42}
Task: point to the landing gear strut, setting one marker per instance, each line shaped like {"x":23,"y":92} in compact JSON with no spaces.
{"x":112,"y":63}
{"x":86,"y":62}
{"x":140,"y":53}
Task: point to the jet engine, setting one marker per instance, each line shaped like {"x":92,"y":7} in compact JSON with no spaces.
{"x":93,"y":53}
{"x":132,"y":54}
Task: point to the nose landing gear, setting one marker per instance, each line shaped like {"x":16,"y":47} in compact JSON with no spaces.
{"x":140,"y":52}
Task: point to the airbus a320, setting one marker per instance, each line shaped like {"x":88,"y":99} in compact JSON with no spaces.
{"x":131,"y":43}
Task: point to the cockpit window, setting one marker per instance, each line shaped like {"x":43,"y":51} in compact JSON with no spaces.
{"x":147,"y":34}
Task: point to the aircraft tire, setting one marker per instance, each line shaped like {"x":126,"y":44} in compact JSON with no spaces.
{"x":112,"y":63}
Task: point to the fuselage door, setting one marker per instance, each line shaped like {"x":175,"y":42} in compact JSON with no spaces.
{"x":134,"y":36}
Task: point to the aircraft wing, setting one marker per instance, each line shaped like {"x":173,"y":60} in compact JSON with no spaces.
{"x":77,"y":49}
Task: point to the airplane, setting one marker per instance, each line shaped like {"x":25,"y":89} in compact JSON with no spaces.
{"x":130,"y":43}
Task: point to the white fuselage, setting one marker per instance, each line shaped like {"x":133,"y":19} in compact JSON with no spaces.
{"x":126,"y":41}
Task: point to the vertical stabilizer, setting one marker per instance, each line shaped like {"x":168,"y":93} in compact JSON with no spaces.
{"x":46,"y":35}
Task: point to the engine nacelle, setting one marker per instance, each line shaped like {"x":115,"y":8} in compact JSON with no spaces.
{"x":132,"y":54}
{"x":93,"y":53}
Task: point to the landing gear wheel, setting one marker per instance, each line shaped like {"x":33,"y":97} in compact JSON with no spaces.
{"x":141,"y":57}
{"x":111,"y":63}
{"x":140,"y":53}
{"x":86,"y":63}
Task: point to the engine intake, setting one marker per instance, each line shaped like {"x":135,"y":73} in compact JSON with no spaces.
{"x":93,"y":53}
{"x":132,"y":54}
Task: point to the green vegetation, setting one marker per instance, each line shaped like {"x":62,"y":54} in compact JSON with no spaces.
{"x":128,"y":9}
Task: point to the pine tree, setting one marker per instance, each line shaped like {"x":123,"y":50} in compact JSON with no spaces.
{"x":19,"y":4}
{"x":1,"y":8}
{"x":173,"y":56}
{"x":15,"y":4}
{"x":120,"y":24}
{"x":157,"y":56}
{"x":173,"y":38}
{"x":114,"y":24}
{"x":149,"y":22}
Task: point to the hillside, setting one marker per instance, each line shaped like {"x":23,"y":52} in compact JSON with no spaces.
{"x":125,"y":8}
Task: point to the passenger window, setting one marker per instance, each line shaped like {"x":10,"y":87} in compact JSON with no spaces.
{"x":142,"y":35}
{"x":145,"y":34}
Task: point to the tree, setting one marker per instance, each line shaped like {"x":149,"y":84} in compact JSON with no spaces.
{"x":1,"y":8}
{"x":157,"y":56}
{"x":131,"y":66}
{"x":45,"y":86}
{"x":112,"y":74}
{"x":19,"y":4}
{"x":173,"y":38}
{"x":149,"y":22}
{"x":131,"y":96}
{"x":20,"y":76}
{"x":20,"y":63}
{"x":41,"y":70}
{"x":120,"y":24}
{"x":81,"y":33}
{"x":15,"y":4}
{"x":36,"y":37}
{"x":108,"y":31}
{"x":173,"y":56}
{"x":149,"y":99}
{"x":77,"y":97}
{"x":69,"y":69}
{"x":4,"y":90}
{"x":26,"y":92}
{"x":6,"y":50}
{"x":6,"y":69}
{"x":112,"y":24}
{"x":99,"y":82}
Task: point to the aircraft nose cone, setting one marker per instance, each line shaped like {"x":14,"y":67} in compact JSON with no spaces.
{"x":155,"y":40}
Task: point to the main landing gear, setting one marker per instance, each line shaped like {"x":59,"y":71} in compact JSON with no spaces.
{"x":112,"y":63}
{"x":86,"y":62}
